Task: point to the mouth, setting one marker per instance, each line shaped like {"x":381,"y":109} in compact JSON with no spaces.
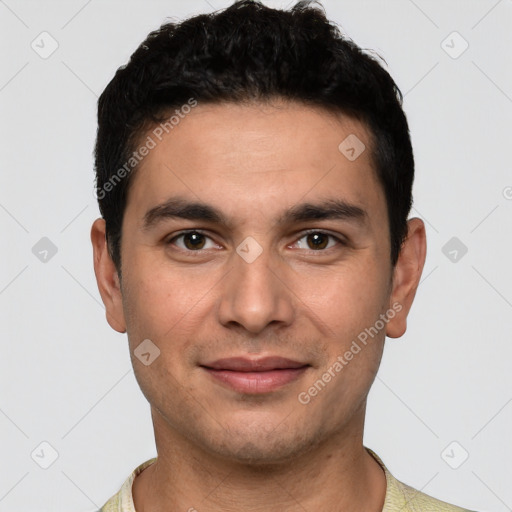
{"x":255,"y":376}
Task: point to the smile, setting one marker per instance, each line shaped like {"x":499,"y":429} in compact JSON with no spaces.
{"x":255,"y":376}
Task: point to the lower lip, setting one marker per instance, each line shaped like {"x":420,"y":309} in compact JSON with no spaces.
{"x":257,"y":382}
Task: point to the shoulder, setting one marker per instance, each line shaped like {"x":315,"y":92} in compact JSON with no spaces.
{"x":122,"y":501}
{"x":407,"y":499}
{"x":401,"y":497}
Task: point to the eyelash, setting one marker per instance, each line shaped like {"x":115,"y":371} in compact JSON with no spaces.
{"x":303,"y":234}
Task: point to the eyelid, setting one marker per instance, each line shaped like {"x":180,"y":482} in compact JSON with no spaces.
{"x":298,"y":236}
{"x":340,"y":242}
{"x":185,"y":232}
{"x":339,"y":238}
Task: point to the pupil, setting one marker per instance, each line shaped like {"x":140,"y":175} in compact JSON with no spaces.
{"x":317,"y":240}
{"x":194,"y":239}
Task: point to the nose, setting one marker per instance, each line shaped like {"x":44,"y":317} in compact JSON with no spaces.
{"x":255,"y":293}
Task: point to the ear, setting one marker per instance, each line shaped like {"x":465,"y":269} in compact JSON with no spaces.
{"x":107,"y":277}
{"x":406,"y":276}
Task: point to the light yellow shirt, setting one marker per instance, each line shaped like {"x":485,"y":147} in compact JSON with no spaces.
{"x":399,"y":496}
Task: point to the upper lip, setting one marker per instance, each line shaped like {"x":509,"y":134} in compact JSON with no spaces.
{"x":243,"y":364}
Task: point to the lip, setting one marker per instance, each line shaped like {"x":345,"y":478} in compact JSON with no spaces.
{"x":255,"y":376}
{"x":245,"y":364}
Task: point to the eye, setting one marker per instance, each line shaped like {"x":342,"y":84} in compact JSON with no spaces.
{"x":192,"y":240}
{"x":195,"y":241}
{"x":318,"y":241}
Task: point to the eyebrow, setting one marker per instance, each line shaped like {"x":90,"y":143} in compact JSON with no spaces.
{"x":180,"y":208}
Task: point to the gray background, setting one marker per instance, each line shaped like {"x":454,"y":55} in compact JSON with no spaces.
{"x":65,"y":376}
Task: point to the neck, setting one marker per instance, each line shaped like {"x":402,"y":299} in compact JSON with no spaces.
{"x":336,"y":475}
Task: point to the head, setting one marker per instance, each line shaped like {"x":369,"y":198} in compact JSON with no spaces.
{"x":282,"y":149}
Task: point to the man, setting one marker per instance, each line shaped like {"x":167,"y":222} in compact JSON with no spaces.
{"x":254,"y":175}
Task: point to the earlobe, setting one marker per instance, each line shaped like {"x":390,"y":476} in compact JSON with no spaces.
{"x":107,"y":278}
{"x":406,"y":276}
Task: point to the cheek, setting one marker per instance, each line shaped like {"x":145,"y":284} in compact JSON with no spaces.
{"x":167,"y":307}
{"x":344,"y":300}
{"x":151,"y":308}
{"x":156,"y":293}
{"x":158,"y":312}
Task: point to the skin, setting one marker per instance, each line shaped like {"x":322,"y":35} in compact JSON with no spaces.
{"x":223,"y":450}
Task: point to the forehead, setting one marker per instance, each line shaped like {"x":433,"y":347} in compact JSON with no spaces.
{"x":252,"y":160}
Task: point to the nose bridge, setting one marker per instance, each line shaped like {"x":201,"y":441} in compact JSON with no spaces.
{"x":253,"y":295}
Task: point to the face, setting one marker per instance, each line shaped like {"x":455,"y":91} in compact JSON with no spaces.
{"x":255,"y":299}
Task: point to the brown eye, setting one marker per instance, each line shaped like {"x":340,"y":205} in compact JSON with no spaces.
{"x":190,"y":241}
{"x":193,"y":240}
{"x":317,"y":240}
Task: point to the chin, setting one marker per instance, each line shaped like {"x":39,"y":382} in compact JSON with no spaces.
{"x":263,"y":446}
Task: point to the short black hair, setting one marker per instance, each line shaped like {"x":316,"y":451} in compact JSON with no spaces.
{"x":250,"y":52}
